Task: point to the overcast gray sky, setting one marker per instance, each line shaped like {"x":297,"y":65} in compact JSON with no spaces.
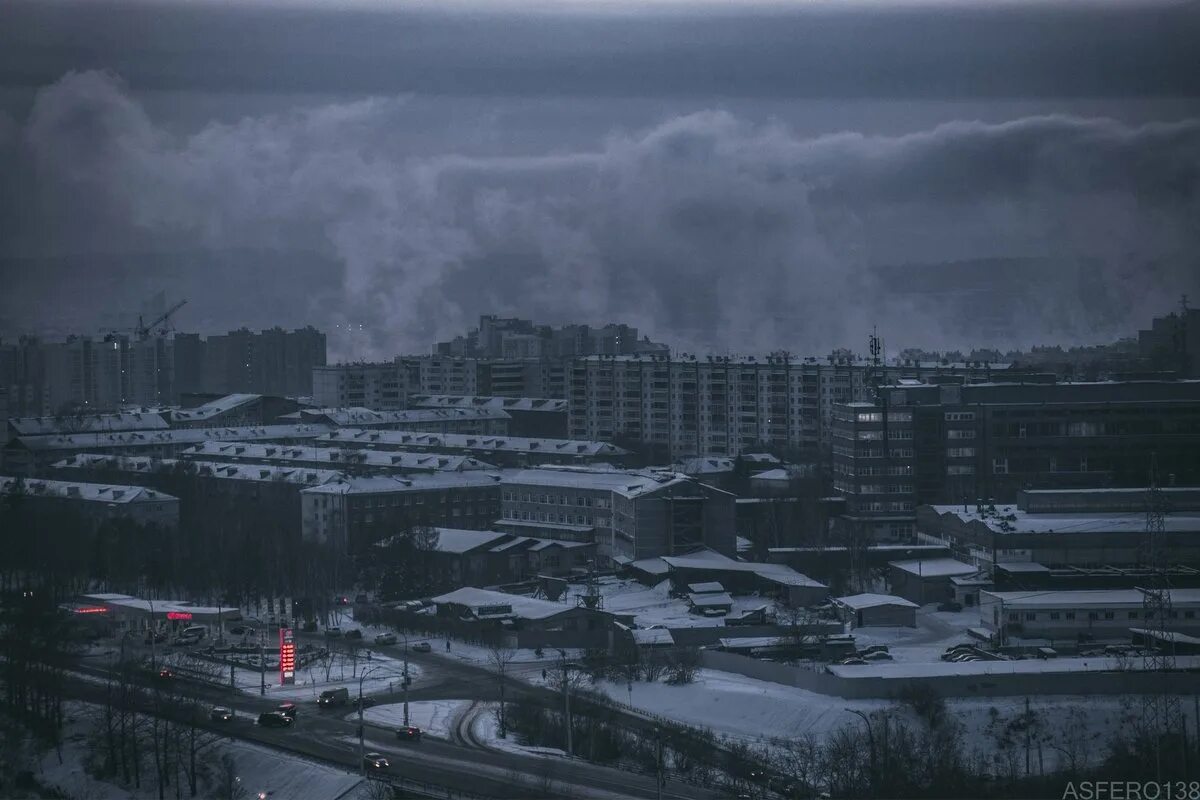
{"x":723,"y":176}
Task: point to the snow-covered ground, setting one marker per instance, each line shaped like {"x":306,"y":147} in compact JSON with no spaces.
{"x":655,"y":606}
{"x":434,"y":717}
{"x":261,"y":769}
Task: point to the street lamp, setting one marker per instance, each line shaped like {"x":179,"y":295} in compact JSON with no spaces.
{"x":870,"y":742}
{"x":362,"y":752}
{"x":404,"y":680}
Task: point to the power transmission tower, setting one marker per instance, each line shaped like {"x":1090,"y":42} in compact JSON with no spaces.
{"x":1161,"y":714}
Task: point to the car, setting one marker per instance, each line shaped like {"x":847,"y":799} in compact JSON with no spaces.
{"x":354,"y":633}
{"x":334,"y":697}
{"x":220,"y":714}
{"x":166,"y":673}
{"x":287,"y":709}
{"x":341,"y":601}
{"x":409,"y":733}
{"x":240,"y":630}
{"x":375,"y":761}
{"x":333,"y":633}
{"x":853,"y":661}
{"x":274,"y":719}
{"x":878,"y":655}
{"x":875,"y":648}
{"x":385,"y":638}
{"x":422,"y":647}
{"x":186,"y":641}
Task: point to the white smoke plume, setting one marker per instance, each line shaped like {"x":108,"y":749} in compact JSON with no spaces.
{"x":705,"y":231}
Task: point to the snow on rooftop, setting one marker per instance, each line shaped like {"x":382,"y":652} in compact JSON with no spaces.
{"x":473,"y":441}
{"x":545,"y":404}
{"x":457,"y":540}
{"x":86,"y":492}
{"x":772,"y":475}
{"x":523,"y":607}
{"x":857,"y":602}
{"x":936,"y":669}
{"x":1085,"y":598}
{"x":934,"y":567}
{"x":176,"y":436}
{"x":391,"y":460}
{"x":703,"y":588}
{"x":1011,"y":519}
{"x":206,"y":469}
{"x":417,"y":482}
{"x":710,"y":600}
{"x":650,"y":637}
{"x":67,"y":424}
{"x":213,"y":408}
{"x":628,"y":483}
{"x":711,"y":560}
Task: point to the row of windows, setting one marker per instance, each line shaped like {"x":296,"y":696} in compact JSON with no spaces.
{"x":1094,"y":616}
{"x":556,"y":499}
{"x":544,"y":516}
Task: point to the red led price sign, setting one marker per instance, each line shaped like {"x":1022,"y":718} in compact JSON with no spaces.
{"x":287,"y":656}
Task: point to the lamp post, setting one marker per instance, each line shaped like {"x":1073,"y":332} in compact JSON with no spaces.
{"x":404,"y":680}
{"x":362,"y":753}
{"x":566,"y":683}
{"x":870,"y":742}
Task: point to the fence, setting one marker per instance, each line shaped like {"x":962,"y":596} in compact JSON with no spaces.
{"x":1034,"y":683}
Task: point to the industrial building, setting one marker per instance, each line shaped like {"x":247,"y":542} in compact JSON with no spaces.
{"x":868,"y":610}
{"x":1090,"y":614}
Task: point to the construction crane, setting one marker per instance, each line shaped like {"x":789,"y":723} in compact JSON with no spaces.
{"x":143,"y":331}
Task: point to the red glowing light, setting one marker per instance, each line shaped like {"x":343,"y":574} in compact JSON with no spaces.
{"x":92,"y":610}
{"x":184,"y":615}
{"x":287,"y":656}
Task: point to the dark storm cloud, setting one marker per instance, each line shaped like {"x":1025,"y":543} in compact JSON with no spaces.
{"x":1034,"y":49}
{"x":705,"y":230}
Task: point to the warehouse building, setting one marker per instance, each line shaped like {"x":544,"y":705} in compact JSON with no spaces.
{"x":1091,"y":614}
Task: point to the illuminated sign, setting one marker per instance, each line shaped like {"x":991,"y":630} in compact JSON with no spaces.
{"x":287,"y":656}
{"x":186,"y":615}
{"x":91,"y":610}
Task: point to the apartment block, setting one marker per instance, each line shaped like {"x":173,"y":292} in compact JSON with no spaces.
{"x":377,"y":386}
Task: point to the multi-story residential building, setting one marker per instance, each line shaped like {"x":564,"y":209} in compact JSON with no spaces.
{"x":1173,"y":342}
{"x":873,"y":469}
{"x":505,"y":377}
{"x":377,"y":386}
{"x":683,"y":408}
{"x":505,"y":451}
{"x":94,"y":503}
{"x":530,"y":416}
{"x":272,"y":361}
{"x":351,"y":515}
{"x":629,"y":514}
{"x":500,"y":337}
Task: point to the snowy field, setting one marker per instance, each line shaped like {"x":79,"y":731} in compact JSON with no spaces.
{"x":434,"y":717}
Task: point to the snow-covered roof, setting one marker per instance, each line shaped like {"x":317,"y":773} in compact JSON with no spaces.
{"x":177,"y":436}
{"x":1166,"y":636}
{"x":706,"y":587}
{"x":337,"y":458}
{"x":211,"y":469}
{"x":772,"y":475}
{"x":652,"y":566}
{"x":651,"y":637}
{"x":857,"y":602}
{"x":476,"y":401}
{"x":706,"y":465}
{"x":760,"y":458}
{"x":473,"y":441}
{"x":521,"y":606}
{"x":417,"y":482}
{"x":710,"y":560}
{"x":1088,"y":598}
{"x":542,"y":544}
{"x":67,"y":424}
{"x":356,"y":416}
{"x":85,"y":492}
{"x":545,"y":526}
{"x":213,"y":408}
{"x":1022,"y":566}
{"x":457,"y":540}
{"x":934,"y":567}
{"x":934,"y":669}
{"x":710,"y":600}
{"x":1011,"y":519}
{"x":627,"y":483}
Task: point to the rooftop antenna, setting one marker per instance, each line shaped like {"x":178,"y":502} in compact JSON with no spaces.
{"x":1160,"y":710}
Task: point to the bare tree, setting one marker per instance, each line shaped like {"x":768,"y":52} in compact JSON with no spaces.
{"x":228,"y":784}
{"x":500,"y":657}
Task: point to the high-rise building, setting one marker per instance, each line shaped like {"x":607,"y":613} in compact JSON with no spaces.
{"x":273,"y":361}
{"x":1173,"y":342}
{"x":377,"y":386}
{"x":510,"y":337}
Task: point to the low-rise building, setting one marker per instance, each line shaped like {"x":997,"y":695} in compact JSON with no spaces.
{"x":536,"y":417}
{"x":352,"y":462}
{"x":484,"y":421}
{"x":486,"y":607}
{"x":354,"y":513}
{"x":486,"y":558}
{"x":94,"y":503}
{"x":1092,"y":614}
{"x":506,"y":451}
{"x":629,"y":514}
{"x":927,"y":580}
{"x":867,"y":610}
{"x":736,"y":577}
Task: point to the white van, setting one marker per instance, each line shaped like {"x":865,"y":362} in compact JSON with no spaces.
{"x":193,"y":632}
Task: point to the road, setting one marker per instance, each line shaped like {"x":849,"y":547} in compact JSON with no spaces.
{"x":461,"y":765}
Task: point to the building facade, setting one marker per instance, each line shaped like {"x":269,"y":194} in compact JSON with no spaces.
{"x":376,"y":386}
